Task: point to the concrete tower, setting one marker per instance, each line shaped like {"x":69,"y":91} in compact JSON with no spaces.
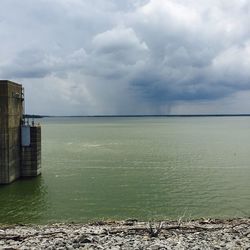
{"x":20,"y":144}
{"x":11,"y":111}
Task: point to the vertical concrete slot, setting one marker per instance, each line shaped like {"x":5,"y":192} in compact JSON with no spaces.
{"x":31,"y":151}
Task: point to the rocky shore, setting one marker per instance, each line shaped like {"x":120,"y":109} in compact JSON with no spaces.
{"x":130,"y":234}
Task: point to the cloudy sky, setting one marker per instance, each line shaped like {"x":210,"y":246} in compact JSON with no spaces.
{"x":108,"y":57}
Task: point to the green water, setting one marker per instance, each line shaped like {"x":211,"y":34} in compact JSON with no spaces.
{"x":145,"y":168}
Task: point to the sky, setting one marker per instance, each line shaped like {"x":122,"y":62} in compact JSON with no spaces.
{"x":121,"y":57}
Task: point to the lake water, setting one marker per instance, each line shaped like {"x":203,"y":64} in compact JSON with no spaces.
{"x":141,"y":167}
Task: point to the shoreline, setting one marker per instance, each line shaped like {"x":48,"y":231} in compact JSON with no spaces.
{"x":130,"y":234}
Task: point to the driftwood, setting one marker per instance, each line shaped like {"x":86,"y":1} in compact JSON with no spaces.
{"x":155,"y":231}
{"x":23,"y":237}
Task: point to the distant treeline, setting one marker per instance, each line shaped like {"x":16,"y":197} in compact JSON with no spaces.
{"x":197,"y":115}
{"x":34,"y":116}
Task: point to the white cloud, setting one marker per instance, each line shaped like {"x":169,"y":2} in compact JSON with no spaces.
{"x":118,"y":39}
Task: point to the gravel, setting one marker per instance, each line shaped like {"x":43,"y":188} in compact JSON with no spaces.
{"x":129,"y":234}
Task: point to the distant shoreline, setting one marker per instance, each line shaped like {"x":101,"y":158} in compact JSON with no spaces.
{"x":103,"y":116}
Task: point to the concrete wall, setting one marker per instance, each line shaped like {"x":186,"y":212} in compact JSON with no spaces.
{"x":10,"y":121}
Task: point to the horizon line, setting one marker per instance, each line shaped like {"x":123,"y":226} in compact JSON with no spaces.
{"x":152,"y":115}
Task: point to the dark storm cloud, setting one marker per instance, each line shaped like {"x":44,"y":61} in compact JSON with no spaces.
{"x":127,"y":56}
{"x":192,"y":56}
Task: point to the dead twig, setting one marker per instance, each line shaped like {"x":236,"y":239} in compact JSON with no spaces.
{"x":154,"y":231}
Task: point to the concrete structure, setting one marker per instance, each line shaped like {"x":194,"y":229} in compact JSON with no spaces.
{"x":11,"y":119}
{"x":31,"y":155}
{"x":11,"y":111}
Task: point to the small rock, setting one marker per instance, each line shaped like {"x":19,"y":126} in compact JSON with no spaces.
{"x":84,"y":239}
